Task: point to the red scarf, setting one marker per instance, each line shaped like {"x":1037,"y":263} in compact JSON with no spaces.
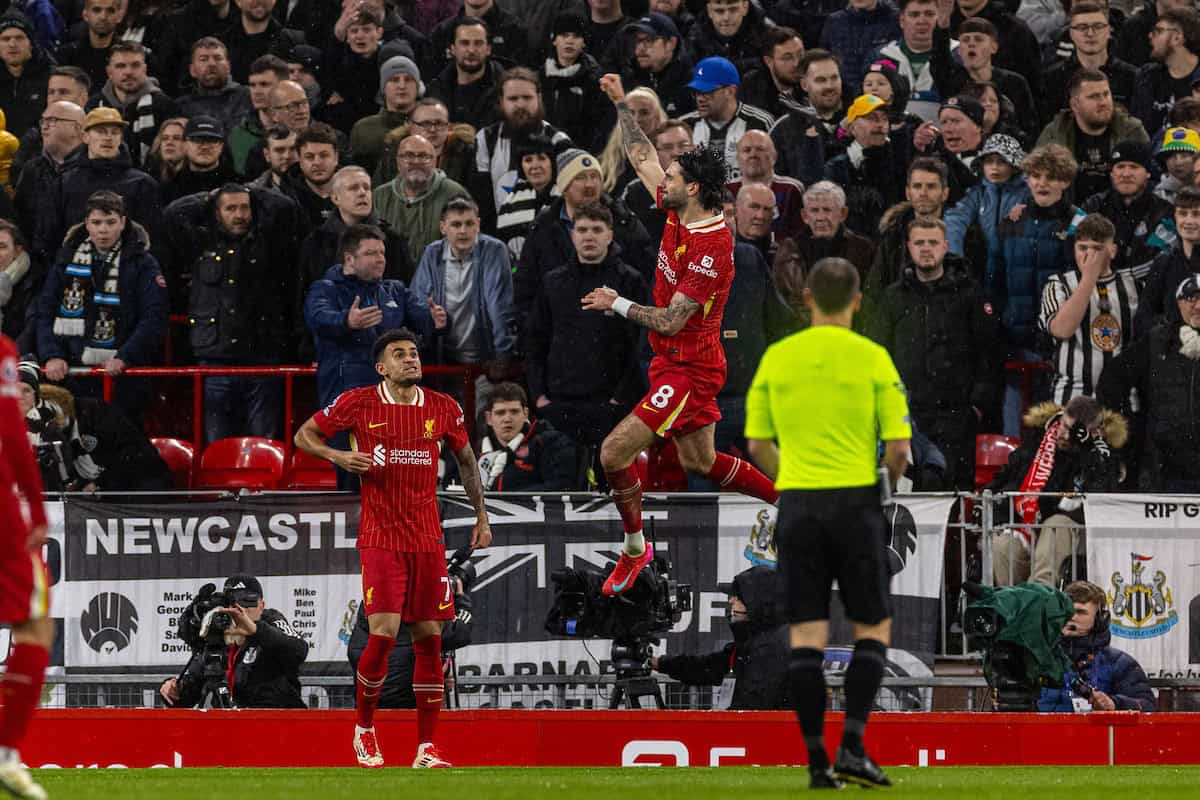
{"x":1036,"y":478}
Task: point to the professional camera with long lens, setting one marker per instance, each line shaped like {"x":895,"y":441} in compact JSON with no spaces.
{"x":203,"y":627}
{"x":633,"y":620}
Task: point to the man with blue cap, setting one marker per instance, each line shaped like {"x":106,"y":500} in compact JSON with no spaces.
{"x":720,"y":119}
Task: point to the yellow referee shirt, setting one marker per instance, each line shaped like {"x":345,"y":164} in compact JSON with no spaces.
{"x":827,"y":396}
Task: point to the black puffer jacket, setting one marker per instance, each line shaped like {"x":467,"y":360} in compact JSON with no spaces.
{"x":574,"y":103}
{"x":873,"y":185}
{"x":87,"y":176}
{"x":1168,"y":384}
{"x":671,"y":85}
{"x":758,"y":655}
{"x":1156,"y":300}
{"x":942,"y":336}
{"x":23,"y":97}
{"x":744,"y":48}
{"x":238,"y":293}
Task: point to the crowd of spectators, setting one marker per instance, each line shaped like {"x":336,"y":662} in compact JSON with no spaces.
{"x":1015,"y":181}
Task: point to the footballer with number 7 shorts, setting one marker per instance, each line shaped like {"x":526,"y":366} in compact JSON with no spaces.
{"x":396,"y":430}
{"x":691,"y":284}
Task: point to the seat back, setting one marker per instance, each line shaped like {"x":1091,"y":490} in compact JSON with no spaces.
{"x":243,"y":462}
{"x":991,"y":453}
{"x":310,"y":472}
{"x":180,"y":456}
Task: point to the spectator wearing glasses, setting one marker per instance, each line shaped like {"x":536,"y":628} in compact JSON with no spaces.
{"x":1091,"y":34}
{"x":720,"y":119}
{"x":36,"y":197}
{"x":1175,"y":65}
{"x":453,"y":143}
{"x":413,"y":201}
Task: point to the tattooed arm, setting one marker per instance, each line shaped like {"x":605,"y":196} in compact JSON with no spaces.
{"x":638,"y":148}
{"x":666,"y":321}
{"x":468,"y":473}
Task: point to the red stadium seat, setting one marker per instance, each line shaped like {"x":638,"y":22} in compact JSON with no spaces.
{"x":245,"y":462}
{"x":179,"y":455}
{"x":991,"y":453}
{"x":310,"y":472}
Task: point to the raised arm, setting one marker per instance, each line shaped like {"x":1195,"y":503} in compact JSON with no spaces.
{"x":638,"y":147}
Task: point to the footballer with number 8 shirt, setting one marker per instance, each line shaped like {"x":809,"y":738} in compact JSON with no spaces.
{"x":396,"y":431}
{"x":24,"y":587}
{"x":692,"y":280}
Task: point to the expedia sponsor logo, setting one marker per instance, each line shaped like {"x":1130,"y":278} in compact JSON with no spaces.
{"x":109,"y":623}
{"x":703,"y":270}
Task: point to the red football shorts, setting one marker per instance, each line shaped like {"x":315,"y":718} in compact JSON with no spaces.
{"x":681,"y":399}
{"x":24,"y":587}
{"x":414,"y":585}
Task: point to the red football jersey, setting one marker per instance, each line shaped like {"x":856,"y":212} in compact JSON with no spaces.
{"x":697,"y":260}
{"x":399,"y":491}
{"x":18,"y":469}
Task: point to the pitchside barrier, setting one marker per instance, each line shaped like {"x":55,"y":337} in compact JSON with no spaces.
{"x":124,"y":567}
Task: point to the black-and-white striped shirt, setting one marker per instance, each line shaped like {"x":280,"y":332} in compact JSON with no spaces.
{"x":746,"y":118}
{"x":1102,"y":332}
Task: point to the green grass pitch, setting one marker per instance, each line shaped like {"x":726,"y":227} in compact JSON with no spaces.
{"x":724,"y":783}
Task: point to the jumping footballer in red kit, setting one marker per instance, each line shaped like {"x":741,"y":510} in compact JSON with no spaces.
{"x":24,"y":586}
{"x":693,"y":276}
{"x":396,"y":431}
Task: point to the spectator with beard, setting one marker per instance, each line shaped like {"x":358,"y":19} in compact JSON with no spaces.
{"x":549,"y":244}
{"x":469,"y":86}
{"x":129,"y":90}
{"x":660,"y":63}
{"x":1134,"y":41}
{"x":1144,"y":222}
{"x":731,"y":29}
{"x":253,"y":34}
{"x":281,"y":157}
{"x":756,"y":161}
{"x":216,"y":93}
{"x":25,"y":73}
{"x":1157,"y":304}
{"x":507,"y":35}
{"x":871,"y":171}
{"x":310,"y":181}
{"x":453,"y":143}
{"x":820,"y":78}
{"x":1174,"y":66}
{"x":196,"y":20}
{"x":571,"y":85}
{"x":824,"y":235}
{"x":941,"y":333}
{"x":669,"y":140}
{"x":207,"y":164}
{"x":857,"y":31}
{"x":413,"y":201}
{"x":720,"y":119}
{"x":250,"y":133}
{"x":496,"y":159}
{"x":584,"y":397}
{"x":775,"y":86}
{"x":955,"y":140}
{"x":91,"y":50}
{"x":36,"y":196}
{"x":1090,"y":128}
{"x":1091,"y":37}
{"x":978,"y":45}
{"x":400,"y":87}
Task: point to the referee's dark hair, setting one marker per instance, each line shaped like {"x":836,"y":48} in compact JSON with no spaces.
{"x":387,"y":337}
{"x":832,"y":284}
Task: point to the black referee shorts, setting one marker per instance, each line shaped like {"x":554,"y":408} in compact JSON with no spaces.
{"x":833,"y":534}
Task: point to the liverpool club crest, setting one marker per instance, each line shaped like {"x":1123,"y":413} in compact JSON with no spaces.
{"x":1141,"y":610}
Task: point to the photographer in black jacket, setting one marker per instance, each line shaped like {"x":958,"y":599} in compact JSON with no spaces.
{"x":752,"y":669}
{"x":397,"y":686}
{"x":262,"y":666}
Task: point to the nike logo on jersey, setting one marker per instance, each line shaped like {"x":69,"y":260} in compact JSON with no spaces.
{"x":444,"y":606}
{"x":373,"y":425}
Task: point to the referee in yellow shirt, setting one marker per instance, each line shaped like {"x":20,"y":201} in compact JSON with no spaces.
{"x":820,"y":402}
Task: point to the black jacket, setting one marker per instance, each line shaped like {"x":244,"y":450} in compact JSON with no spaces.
{"x":36,"y":202}
{"x":757,"y":657}
{"x":23,"y":97}
{"x":873,"y":186}
{"x":187,"y":182}
{"x":1168,"y":385}
{"x":475,"y":103}
{"x":1144,"y":227}
{"x":130,"y":462}
{"x":574,"y":103}
{"x":85,"y":176}
{"x":356,"y":80}
{"x":238,"y":294}
{"x":1093,"y":468}
{"x":949,"y":78}
{"x":799,"y":157}
{"x":1019,"y":50}
{"x":266,"y":671}
{"x":794,"y":257}
{"x":671,"y":85}
{"x":1156,"y":300}
{"x":755,"y":316}
{"x":397,"y":686}
{"x":545,"y":461}
{"x":509,"y":40}
{"x":549,"y":245}
{"x":572,"y":354}
{"x":744,"y":48}
{"x":758,"y":89}
{"x":1133,"y":43}
{"x":941,"y":336}
{"x":245,"y":48}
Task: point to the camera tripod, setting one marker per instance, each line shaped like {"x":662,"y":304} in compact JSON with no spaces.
{"x":634,"y":682}
{"x":214,"y":691}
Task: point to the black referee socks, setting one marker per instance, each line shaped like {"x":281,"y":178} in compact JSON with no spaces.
{"x":863,"y":677}
{"x":807,"y":675}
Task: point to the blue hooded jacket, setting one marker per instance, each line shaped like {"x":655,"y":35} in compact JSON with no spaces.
{"x":984,"y":204}
{"x":344,"y":355}
{"x":1108,"y":669}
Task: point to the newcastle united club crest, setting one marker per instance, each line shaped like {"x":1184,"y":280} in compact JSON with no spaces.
{"x":1141,"y":610}
{"x":760,"y":552}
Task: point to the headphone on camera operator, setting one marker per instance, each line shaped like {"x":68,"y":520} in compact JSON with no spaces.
{"x":241,"y":651}
{"x":1090,"y":621}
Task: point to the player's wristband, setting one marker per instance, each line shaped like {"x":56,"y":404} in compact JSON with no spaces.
{"x":621,"y":305}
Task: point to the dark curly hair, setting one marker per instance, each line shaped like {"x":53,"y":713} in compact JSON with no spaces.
{"x":707,"y":167}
